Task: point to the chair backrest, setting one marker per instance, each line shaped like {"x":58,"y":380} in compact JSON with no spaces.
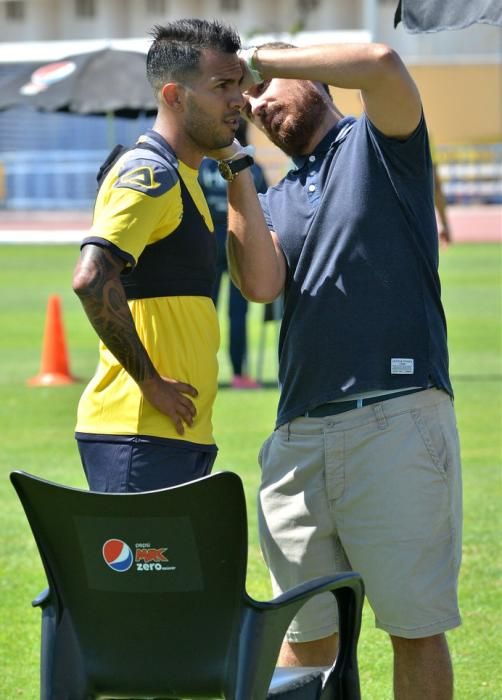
{"x":150,"y":585}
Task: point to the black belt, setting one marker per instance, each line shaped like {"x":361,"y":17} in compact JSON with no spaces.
{"x":331,"y":409}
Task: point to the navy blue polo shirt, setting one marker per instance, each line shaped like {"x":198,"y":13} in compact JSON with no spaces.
{"x":362,"y":307}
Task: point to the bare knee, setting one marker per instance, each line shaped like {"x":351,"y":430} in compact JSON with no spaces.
{"x":318,"y":652}
{"x":423,"y":646}
{"x":422,"y":668}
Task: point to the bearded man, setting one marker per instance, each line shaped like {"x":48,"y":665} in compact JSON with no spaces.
{"x":362,"y":470}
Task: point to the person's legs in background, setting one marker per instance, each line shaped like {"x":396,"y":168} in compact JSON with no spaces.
{"x":237,"y":314}
{"x":237,"y":311}
{"x":221,"y":265}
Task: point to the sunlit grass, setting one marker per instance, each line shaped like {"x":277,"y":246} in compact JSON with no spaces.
{"x":37,"y":436}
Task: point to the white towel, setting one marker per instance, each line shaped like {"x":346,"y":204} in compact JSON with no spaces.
{"x":420,"y":16}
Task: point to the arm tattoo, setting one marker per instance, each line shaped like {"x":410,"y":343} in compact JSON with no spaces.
{"x":105,"y":304}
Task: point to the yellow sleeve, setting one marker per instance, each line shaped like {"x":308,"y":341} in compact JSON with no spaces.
{"x":138,"y":203}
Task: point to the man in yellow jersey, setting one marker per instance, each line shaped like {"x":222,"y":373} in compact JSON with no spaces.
{"x":146,"y":271}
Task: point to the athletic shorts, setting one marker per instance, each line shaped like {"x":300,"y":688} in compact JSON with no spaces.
{"x":123,"y":464}
{"x":375,"y":490}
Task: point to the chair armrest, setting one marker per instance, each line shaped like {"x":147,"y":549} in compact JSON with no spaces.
{"x":265,"y":624}
{"x":304,"y":591}
{"x":42,"y":598}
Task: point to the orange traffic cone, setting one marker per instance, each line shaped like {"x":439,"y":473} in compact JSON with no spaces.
{"x":54,"y":367}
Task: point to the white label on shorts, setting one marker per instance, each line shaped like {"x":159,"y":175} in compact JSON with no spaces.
{"x":402,"y":365}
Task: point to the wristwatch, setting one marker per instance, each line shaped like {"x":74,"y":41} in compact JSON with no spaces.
{"x":229,"y":169}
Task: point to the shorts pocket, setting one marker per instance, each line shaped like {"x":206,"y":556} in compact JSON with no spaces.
{"x":430,"y":430}
{"x":264,"y":450}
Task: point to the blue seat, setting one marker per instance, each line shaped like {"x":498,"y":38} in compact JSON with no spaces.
{"x":146,"y":598}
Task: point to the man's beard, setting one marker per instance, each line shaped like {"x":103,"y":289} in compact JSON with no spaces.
{"x":295,"y":129}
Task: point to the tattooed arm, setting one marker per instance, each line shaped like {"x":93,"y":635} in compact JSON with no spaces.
{"x":96,"y":281}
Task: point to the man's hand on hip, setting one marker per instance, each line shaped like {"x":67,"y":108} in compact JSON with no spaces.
{"x":168,"y":397}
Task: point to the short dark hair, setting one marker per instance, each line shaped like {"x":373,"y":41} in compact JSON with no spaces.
{"x":174,"y":54}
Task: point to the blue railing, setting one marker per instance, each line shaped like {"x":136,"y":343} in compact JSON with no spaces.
{"x":471,"y":174}
{"x":50,"y":160}
{"x":50,"y":179}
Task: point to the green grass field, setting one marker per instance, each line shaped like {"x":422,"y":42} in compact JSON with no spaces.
{"x":37,"y":436}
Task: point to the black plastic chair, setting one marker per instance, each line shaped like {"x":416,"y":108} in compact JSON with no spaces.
{"x":147,"y":598}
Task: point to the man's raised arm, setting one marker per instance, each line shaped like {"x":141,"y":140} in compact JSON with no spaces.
{"x":388,"y":92}
{"x":256,"y":262}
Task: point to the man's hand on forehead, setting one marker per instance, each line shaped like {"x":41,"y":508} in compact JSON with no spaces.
{"x":250,"y":74}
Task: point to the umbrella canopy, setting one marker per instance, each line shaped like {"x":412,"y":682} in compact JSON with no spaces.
{"x":108,"y":81}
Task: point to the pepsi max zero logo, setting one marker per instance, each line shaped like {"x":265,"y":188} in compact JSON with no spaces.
{"x":118,"y":555}
{"x":150,"y":558}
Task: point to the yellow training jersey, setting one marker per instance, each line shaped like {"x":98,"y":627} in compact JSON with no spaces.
{"x":150,"y":211}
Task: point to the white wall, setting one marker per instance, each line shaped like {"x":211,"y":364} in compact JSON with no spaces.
{"x":141,"y":22}
{"x":56,"y":20}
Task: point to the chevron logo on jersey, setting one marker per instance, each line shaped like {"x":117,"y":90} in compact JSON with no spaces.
{"x":142,"y":178}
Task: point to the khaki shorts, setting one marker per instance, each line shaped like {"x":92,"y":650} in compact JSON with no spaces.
{"x":375,"y":490}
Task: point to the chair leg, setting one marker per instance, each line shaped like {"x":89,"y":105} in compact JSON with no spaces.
{"x":48,"y":636}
